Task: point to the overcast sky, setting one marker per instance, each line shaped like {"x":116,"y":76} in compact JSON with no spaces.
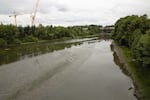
{"x":72,"y":12}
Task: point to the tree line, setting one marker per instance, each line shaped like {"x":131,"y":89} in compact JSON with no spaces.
{"x":12,"y":35}
{"x":133,"y":32}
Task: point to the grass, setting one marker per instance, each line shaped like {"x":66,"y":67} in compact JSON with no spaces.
{"x":140,"y":75}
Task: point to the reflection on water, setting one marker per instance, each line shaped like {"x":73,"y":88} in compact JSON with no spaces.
{"x":82,"y":72}
{"x":117,"y":61}
{"x":122,"y":67}
{"x":26,"y":51}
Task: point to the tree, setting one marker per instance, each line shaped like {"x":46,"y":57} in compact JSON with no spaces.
{"x":142,"y":50}
{"x":133,"y":32}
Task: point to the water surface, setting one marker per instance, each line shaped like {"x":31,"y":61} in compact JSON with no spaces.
{"x":80,"y":71}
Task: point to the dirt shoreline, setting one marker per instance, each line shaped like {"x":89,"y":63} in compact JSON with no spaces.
{"x":125,"y":67}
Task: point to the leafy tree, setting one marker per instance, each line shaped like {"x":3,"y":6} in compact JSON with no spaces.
{"x":3,"y":43}
{"x":16,"y":35}
{"x":133,"y":32}
{"x":142,"y":50}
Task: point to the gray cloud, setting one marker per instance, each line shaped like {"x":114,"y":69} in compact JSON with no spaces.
{"x":9,"y":6}
{"x":72,"y":12}
{"x":52,"y":8}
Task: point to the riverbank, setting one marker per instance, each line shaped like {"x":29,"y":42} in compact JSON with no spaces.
{"x":129,"y":67}
{"x":62,"y":39}
{"x":48,"y":41}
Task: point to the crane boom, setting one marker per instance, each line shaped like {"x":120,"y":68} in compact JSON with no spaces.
{"x":35,"y":11}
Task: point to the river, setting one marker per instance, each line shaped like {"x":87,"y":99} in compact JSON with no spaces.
{"x":82,"y":69}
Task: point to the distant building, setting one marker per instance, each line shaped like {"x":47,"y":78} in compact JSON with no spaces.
{"x":107,"y":29}
{"x":85,"y":29}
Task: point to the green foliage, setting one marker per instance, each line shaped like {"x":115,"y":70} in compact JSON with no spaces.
{"x":17,"y":42}
{"x":30,"y":38}
{"x":13,"y":35}
{"x":142,"y":50}
{"x":8,"y":33}
{"x":2,"y":42}
{"x":133,"y":32}
{"x":125,"y":27}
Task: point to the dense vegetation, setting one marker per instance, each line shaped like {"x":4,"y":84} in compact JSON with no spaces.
{"x":12,"y":35}
{"x":133,"y":32}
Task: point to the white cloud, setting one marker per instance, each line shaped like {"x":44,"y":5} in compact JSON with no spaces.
{"x":72,"y":12}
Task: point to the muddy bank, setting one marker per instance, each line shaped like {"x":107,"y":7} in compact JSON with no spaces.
{"x":125,"y":67}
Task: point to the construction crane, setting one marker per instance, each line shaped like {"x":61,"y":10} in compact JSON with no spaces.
{"x":35,"y":11}
{"x":15,"y":17}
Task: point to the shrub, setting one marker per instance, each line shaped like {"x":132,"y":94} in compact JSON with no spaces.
{"x":17,"y":41}
{"x":3,"y":43}
{"x":30,"y":38}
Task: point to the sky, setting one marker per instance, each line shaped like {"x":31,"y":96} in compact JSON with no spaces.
{"x":71,"y":12}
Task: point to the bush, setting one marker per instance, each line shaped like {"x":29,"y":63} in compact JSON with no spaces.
{"x":3,"y":43}
{"x":17,"y":41}
{"x":142,"y":50}
{"x":30,"y":38}
{"x":133,"y":32}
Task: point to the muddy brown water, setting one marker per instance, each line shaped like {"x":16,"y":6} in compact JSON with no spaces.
{"x":65,"y":71}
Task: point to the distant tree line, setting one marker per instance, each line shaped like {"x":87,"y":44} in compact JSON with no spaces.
{"x":133,"y":32}
{"x":12,"y":35}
